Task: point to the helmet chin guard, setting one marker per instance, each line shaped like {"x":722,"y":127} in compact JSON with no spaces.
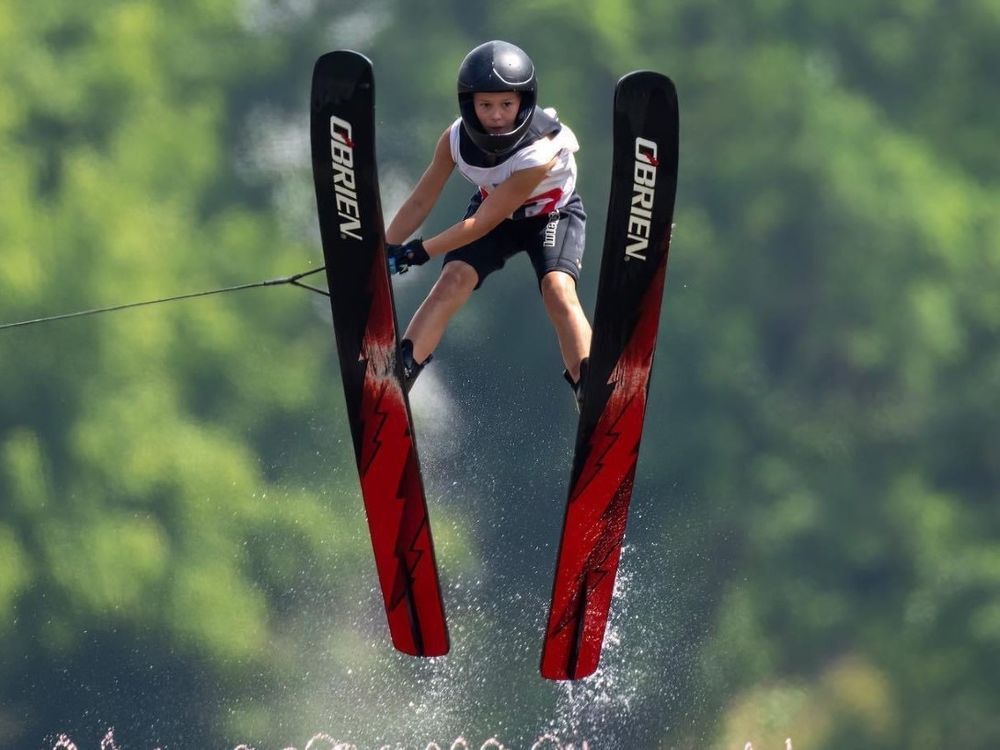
{"x":495,"y":67}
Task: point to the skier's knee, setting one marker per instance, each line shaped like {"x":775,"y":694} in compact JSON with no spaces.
{"x":559,"y":294}
{"x":457,"y":280}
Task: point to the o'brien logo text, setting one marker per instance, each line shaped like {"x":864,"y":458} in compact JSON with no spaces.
{"x":643,"y":194}
{"x":344,"y":184}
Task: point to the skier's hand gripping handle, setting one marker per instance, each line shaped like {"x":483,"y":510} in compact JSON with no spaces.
{"x":401,"y":257}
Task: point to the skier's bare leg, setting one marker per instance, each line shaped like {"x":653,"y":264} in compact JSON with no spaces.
{"x":452,"y":290}
{"x":566,"y":314}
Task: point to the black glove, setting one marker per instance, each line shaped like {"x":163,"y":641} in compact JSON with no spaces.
{"x":401,"y":257}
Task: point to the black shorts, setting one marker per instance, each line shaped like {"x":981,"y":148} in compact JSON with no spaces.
{"x":554,"y":242}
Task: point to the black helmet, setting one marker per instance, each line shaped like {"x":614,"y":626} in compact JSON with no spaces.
{"x":497,"y":66}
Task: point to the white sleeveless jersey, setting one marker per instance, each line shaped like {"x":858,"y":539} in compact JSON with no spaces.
{"x":555,"y":189}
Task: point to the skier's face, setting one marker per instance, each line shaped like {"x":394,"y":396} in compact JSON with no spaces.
{"x":497,"y":110}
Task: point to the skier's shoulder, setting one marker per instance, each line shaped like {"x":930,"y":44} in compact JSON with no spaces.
{"x":548,"y":138}
{"x":454,"y":132}
{"x":562,"y":136}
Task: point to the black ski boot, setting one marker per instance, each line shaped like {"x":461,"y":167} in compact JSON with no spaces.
{"x":577,"y":385}
{"x":411,"y":368}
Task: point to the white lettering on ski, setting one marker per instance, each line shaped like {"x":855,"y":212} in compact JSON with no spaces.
{"x":344,"y":181}
{"x":643,"y":195}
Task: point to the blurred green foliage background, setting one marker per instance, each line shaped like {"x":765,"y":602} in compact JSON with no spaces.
{"x":814,"y":548}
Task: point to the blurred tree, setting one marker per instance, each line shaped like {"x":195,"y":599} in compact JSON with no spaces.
{"x":154,"y":541}
{"x":819,"y":462}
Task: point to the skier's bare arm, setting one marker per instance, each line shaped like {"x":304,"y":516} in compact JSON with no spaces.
{"x":418,"y":205}
{"x":500,"y":204}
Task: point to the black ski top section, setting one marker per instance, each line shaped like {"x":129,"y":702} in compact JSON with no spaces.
{"x":350,"y":210}
{"x":637,"y":234}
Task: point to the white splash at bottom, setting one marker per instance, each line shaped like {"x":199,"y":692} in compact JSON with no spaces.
{"x":324,"y":741}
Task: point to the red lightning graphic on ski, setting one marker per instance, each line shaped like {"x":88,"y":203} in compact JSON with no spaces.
{"x":391,"y":487}
{"x":598,"y":508}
